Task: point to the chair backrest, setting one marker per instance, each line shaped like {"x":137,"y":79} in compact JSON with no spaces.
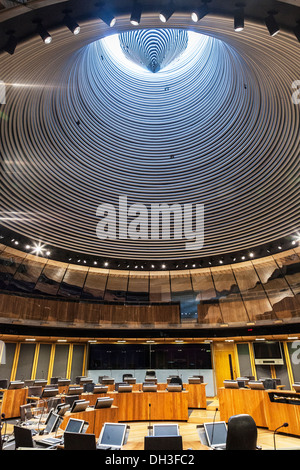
{"x":69,"y":399}
{"x":25,"y":412}
{"x":163,"y":443}
{"x":23,"y":437}
{"x":241,"y":433}
{"x":79,"y":441}
{"x":4,"y":383}
{"x":35,"y":391}
{"x":53,"y":402}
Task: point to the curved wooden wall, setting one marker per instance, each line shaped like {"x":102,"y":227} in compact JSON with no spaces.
{"x":38,"y":289}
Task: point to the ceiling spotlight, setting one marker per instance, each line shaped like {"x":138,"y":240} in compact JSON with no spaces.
{"x":297,"y":32}
{"x":46,"y":37}
{"x":167,"y":12}
{"x":38,"y":249}
{"x":72,"y":25}
{"x":107,"y":17}
{"x":272,"y":25}
{"x":199,"y":13}
{"x":239,"y":20}
{"x":11,"y":44}
{"x":136,"y":14}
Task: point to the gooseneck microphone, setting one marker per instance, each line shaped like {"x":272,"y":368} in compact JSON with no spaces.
{"x":213,"y":427}
{"x":284,"y":425}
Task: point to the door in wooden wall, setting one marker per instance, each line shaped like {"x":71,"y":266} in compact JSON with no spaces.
{"x":224,"y":363}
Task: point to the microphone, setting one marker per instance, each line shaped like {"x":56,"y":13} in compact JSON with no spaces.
{"x":284,"y":425}
{"x":213,"y":427}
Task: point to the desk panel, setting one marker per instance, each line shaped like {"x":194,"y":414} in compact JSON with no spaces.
{"x":156,"y":406}
{"x":243,"y":400}
{"x":12,"y":400}
{"x":95,"y":418}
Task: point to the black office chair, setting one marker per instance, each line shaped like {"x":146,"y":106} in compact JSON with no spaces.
{"x":241,"y":433}
{"x":163,"y":443}
{"x":78,"y":441}
{"x":23,"y":437}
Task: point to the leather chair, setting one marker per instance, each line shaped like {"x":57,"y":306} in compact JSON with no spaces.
{"x":79,"y":441}
{"x":23,"y":437}
{"x":241,"y":433}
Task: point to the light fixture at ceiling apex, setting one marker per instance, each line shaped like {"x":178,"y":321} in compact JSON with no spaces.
{"x":136,"y":14}
{"x":199,"y":13}
{"x":272,"y":25}
{"x":239,"y":19}
{"x":72,"y":25}
{"x":107,"y":17}
{"x":46,"y":37}
{"x":167,"y":12}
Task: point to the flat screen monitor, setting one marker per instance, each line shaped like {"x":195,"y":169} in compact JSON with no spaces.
{"x":63,"y":382}
{"x":231,"y":384}
{"x":194,"y":380}
{"x":52,"y":421}
{"x":267,"y":352}
{"x":41,"y":382}
{"x":296,"y":387}
{"x":79,"y":405}
{"x":174,"y":388}
{"x":75,"y":390}
{"x":75,"y":425}
{"x":16,"y":384}
{"x":112,"y":435}
{"x":149,"y":387}
{"x":62,"y":408}
{"x":216,"y":433}
{"x":125,"y":388}
{"x":49,"y":392}
{"x":100,"y":389}
{"x":256,"y":385}
{"x":165,"y":430}
{"x":103,"y":402}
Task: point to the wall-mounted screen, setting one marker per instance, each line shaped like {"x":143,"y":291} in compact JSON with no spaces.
{"x":144,"y":356}
{"x":267,"y":352}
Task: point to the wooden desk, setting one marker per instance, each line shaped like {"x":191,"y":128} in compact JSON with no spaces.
{"x":95,"y":418}
{"x":12,"y":400}
{"x":233,"y":401}
{"x":278,"y":412}
{"x":165,"y":406}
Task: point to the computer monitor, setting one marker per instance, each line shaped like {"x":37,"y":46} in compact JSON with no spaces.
{"x":112,"y":435}
{"x":49,"y":392}
{"x":74,"y":425}
{"x":63,"y":382}
{"x":75,"y":390}
{"x":174,"y":388}
{"x":103,"y":402}
{"x":16,"y":384}
{"x":194,"y":380}
{"x":100,"y":389}
{"x":149,"y":387}
{"x":256,"y":385}
{"x":42,"y":382}
{"x":231,"y":384}
{"x":52,"y":421}
{"x":216,"y":433}
{"x":124,"y":388}
{"x":296,"y":387}
{"x":165,"y":430}
{"x":79,"y":405}
{"x":62,"y":408}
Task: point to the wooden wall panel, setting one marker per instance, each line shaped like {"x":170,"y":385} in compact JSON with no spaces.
{"x":230,"y":300}
{"x":50,"y":278}
{"x":160,"y":289}
{"x":255,"y":299}
{"x":25,"y":308}
{"x":208,"y":308}
{"x":276,"y":287}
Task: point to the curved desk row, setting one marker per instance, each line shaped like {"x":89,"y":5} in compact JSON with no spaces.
{"x":269,"y":408}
